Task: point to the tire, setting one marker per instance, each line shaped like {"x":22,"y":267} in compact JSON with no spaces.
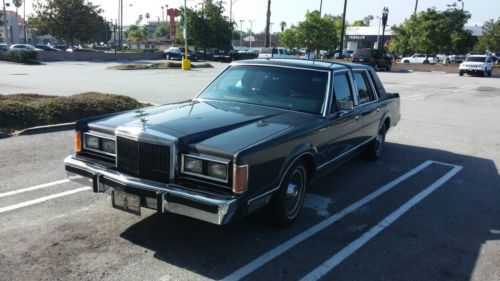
{"x":461,"y":73}
{"x":489,"y":73}
{"x":286,"y":203}
{"x":389,"y":66}
{"x":376,"y":67}
{"x":406,"y":61}
{"x":485,"y":73}
{"x":426,"y":62}
{"x":374,"y":149}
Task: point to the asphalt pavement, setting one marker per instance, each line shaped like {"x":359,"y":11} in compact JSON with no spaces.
{"x":429,"y":209}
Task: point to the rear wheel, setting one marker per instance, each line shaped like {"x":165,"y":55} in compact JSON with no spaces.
{"x":287,"y":202}
{"x":461,"y":73}
{"x":375,"y":147}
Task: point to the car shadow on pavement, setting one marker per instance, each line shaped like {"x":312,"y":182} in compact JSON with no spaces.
{"x":458,"y":221}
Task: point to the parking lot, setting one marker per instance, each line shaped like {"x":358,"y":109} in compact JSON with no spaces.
{"x":429,"y":209}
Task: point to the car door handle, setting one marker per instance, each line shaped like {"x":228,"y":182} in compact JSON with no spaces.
{"x":356,"y":117}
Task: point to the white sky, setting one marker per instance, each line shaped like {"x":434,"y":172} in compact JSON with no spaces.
{"x":292,"y":11}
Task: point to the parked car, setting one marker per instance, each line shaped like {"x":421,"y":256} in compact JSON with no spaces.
{"x":419,"y":58}
{"x":255,"y":137}
{"x":61,"y":47}
{"x":374,"y":58}
{"x":47,"y":48}
{"x":23,"y":48}
{"x":274,"y":53}
{"x":3,"y":47}
{"x":456,"y":58}
{"x":178,"y":54}
{"x":477,"y":64}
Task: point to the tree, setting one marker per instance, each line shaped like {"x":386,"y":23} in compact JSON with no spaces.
{"x":433,"y":32}
{"x":147,"y":16}
{"x":136,"y":34}
{"x":364,"y":22}
{"x":161,"y":30}
{"x":208,"y":28}
{"x":490,"y":40}
{"x":69,"y":20}
{"x":314,"y":33}
{"x":282,"y":26}
{"x":17,"y":4}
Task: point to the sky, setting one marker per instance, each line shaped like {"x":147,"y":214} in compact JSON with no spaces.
{"x":292,"y":11}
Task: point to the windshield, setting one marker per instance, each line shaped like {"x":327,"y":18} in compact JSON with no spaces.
{"x":288,"y":88}
{"x":475,"y":59}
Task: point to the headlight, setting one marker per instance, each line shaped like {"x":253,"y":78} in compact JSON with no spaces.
{"x":217,"y":170}
{"x":205,"y":168}
{"x":108,"y":146}
{"x":193,"y":165}
{"x":92,"y":142}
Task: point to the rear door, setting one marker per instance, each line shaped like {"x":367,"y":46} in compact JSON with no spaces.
{"x":368,"y":108}
{"x":341,"y":133}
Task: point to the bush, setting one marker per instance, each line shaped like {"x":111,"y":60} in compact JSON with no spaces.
{"x":21,"y":57}
{"x":27,"y":110}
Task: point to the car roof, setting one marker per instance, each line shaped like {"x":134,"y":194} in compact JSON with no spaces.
{"x":301,"y":63}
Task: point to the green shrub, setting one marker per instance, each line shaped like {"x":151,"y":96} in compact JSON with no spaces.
{"x":27,"y":110}
{"x":21,"y":57}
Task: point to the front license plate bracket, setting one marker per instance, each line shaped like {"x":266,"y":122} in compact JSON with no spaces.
{"x":126,"y":202}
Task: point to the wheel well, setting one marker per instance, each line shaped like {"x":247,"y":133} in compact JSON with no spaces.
{"x":387,"y":124}
{"x":310,"y":164}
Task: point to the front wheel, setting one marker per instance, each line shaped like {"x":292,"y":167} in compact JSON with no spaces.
{"x":461,"y":73}
{"x":489,"y":72}
{"x":375,"y":147}
{"x":287,"y":202}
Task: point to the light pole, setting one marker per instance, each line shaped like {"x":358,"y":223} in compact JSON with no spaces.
{"x":416,"y":5}
{"x":241,"y":33}
{"x":320,"y":7}
{"x":186,"y":64}
{"x":271,"y":34}
{"x":462,"y":1}
{"x":378,"y":31}
{"x":5,"y":25}
{"x":343,"y":30}
{"x":385,"y":14}
{"x":162,"y":15}
{"x":25,"y":23}
{"x":251,"y":36}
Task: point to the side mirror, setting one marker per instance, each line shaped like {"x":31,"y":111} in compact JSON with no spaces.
{"x":345,"y":105}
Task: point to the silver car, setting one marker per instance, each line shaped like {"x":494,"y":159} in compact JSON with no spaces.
{"x":23,"y":48}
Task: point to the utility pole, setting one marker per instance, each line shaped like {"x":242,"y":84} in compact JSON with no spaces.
{"x":320,"y":7}
{"x":25,"y":24}
{"x":343,"y":30}
{"x":416,"y":5}
{"x":241,"y":33}
{"x":268,"y":21}
{"x":5,"y":25}
{"x":251,"y":28}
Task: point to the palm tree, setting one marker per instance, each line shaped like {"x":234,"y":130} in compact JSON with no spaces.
{"x":148,"y":15}
{"x":282,"y":25}
{"x":17,"y":3}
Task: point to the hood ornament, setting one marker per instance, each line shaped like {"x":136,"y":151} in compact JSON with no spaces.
{"x":144,"y":122}
{"x":140,"y":112}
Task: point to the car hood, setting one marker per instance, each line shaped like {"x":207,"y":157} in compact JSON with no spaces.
{"x":210,"y":126}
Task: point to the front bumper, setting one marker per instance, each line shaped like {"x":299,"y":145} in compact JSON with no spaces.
{"x":162,"y":197}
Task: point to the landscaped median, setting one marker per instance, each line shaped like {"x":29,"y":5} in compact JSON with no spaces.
{"x":162,"y":65}
{"x":22,"y":111}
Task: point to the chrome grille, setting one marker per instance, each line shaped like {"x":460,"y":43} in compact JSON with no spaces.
{"x":143,"y":160}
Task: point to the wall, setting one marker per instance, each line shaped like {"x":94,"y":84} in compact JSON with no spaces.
{"x":95,"y":56}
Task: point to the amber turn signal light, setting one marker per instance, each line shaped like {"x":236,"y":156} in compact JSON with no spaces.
{"x":240,"y":179}
{"x":78,"y":142}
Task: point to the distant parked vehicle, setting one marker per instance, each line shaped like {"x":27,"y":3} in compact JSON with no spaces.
{"x":47,"y":48}
{"x":274,"y":53}
{"x":456,"y":58}
{"x":23,"y":48}
{"x":420,"y":58}
{"x":477,"y":64}
{"x":375,"y":58}
{"x":178,"y":53}
{"x":3,"y":47}
{"x":61,"y":47}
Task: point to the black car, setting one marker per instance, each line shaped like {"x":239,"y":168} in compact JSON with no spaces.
{"x":178,"y":54}
{"x":61,"y":47}
{"x":377,"y":59}
{"x":47,"y":48}
{"x":256,"y":137}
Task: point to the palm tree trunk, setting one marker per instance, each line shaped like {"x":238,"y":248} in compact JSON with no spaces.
{"x":268,"y":23}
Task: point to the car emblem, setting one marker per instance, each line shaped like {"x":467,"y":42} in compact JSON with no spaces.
{"x":144,"y":122}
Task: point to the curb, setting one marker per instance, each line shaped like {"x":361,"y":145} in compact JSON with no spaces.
{"x":46,"y":129}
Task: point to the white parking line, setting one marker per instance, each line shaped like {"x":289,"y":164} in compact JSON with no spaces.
{"x":5,"y":194}
{"x":355,"y":245}
{"x":280,"y":249}
{"x":43,"y":199}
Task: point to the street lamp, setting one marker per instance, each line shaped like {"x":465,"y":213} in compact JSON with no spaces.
{"x":241,"y":33}
{"x":5,"y":25}
{"x":385,"y":14}
{"x":462,"y":1}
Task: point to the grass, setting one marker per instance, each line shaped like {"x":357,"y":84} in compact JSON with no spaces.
{"x":161,"y":65}
{"x":22,"y":111}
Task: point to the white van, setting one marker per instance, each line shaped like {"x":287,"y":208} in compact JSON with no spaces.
{"x":277,"y":52}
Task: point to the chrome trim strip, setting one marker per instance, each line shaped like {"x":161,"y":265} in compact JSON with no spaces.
{"x":85,"y":147}
{"x":347,"y":152}
{"x":201,"y":175}
{"x":250,"y":202}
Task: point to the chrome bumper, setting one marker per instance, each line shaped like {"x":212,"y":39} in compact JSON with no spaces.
{"x":162,"y":197}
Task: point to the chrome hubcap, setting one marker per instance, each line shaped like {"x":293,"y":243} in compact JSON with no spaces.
{"x":295,"y":192}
